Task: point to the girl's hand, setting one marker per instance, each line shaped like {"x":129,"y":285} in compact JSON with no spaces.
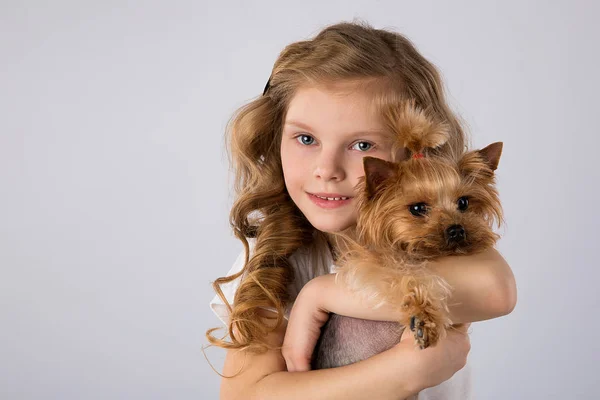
{"x":304,"y":328}
{"x":438,"y":363}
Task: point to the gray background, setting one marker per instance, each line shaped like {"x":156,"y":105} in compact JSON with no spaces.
{"x":114,"y":184}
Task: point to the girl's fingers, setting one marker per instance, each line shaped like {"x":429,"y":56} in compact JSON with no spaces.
{"x":406,"y":335}
{"x":462,"y":327}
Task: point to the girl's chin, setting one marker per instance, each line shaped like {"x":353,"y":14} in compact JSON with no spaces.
{"x":331,"y":226}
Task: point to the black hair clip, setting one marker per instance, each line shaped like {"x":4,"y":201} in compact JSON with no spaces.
{"x":267,"y":86}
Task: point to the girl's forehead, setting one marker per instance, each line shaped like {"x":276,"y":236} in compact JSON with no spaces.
{"x":317,"y":107}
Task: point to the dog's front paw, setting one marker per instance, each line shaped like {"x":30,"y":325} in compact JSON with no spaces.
{"x":426,"y":323}
{"x":424,"y":330}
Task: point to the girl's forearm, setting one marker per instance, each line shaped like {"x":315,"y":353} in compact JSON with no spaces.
{"x":483,"y":285}
{"x":327,"y":295}
{"x":483,"y":288}
{"x":379,"y":377}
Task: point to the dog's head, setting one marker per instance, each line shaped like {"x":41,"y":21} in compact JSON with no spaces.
{"x":432,"y":206}
{"x":426,"y":203}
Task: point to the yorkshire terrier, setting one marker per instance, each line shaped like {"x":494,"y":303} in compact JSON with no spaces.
{"x":417,"y":208}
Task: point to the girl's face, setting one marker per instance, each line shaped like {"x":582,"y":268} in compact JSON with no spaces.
{"x":325,"y":137}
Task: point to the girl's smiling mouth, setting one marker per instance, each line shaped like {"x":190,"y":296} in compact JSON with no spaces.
{"x":329,"y":200}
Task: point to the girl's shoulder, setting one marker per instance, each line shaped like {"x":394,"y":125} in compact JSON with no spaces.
{"x":307,"y":262}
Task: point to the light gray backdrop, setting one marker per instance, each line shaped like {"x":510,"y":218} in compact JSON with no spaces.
{"x":114,"y":186}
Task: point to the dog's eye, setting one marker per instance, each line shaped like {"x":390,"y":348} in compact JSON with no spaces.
{"x":463,"y":203}
{"x":418,"y":210}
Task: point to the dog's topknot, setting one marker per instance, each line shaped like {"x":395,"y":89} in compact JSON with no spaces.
{"x":414,"y":129}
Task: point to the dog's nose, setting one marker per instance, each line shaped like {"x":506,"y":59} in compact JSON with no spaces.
{"x":455,"y":233}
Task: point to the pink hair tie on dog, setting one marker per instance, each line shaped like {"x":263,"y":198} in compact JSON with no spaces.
{"x":418,"y":155}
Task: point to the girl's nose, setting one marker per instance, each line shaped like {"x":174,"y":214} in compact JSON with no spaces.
{"x":329,"y":167}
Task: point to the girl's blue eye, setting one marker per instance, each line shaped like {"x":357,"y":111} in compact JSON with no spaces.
{"x":305,"y":139}
{"x":365,"y":146}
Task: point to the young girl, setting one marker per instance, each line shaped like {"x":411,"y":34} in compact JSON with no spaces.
{"x":297,"y":152}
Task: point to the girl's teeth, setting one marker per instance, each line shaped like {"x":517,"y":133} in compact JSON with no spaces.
{"x":333,"y":198}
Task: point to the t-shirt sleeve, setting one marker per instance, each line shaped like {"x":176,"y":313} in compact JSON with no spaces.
{"x":229,"y":288}
{"x":218,"y":306}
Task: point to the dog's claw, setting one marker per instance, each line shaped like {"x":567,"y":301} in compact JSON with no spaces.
{"x":425,"y":322}
{"x":420,"y":334}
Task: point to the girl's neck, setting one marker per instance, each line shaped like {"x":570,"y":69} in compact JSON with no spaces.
{"x":335,"y":241}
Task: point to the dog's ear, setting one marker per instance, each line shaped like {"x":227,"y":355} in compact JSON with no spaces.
{"x":377,"y":171}
{"x":402,"y":154}
{"x":491,"y":154}
{"x":479,"y":165}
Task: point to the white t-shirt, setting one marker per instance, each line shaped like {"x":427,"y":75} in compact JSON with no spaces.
{"x":308,"y":263}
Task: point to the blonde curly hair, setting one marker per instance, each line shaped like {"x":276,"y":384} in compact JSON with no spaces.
{"x":379,"y":61}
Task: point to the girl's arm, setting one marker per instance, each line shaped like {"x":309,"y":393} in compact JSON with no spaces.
{"x":483,"y":288}
{"x":379,"y":377}
{"x":394,"y":374}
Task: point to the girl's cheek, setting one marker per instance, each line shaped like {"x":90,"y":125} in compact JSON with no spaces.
{"x":293,"y":150}
{"x":359,"y":169}
{"x":299,"y":154}
{"x":298,"y":148}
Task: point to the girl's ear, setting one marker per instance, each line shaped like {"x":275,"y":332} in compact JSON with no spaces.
{"x":377,"y":171}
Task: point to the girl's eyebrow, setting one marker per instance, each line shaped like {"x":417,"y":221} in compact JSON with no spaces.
{"x":300,"y":125}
